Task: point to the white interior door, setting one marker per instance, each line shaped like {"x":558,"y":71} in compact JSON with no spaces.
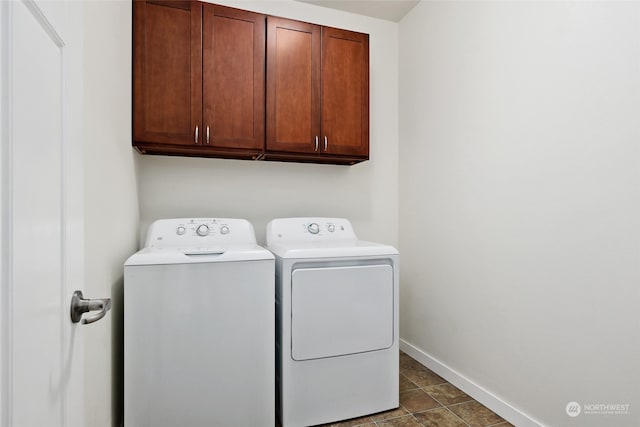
{"x":42,"y":366}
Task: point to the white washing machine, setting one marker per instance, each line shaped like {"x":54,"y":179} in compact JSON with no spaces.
{"x":336,"y":322}
{"x":199,"y":327}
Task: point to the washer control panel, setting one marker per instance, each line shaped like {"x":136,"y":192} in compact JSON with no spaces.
{"x":313,"y":228}
{"x":309,"y":229}
{"x":200,"y":232}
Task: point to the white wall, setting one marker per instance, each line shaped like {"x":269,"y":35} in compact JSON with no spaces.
{"x":520,"y":202}
{"x":111,"y":198}
{"x":259,"y":191}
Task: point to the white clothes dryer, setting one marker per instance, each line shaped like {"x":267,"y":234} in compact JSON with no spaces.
{"x":199,"y":327}
{"x":336,"y":322}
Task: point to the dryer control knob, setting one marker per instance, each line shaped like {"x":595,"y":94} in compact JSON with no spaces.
{"x":331,"y":228}
{"x":181,"y":230}
{"x":313,"y":228}
{"x":224,"y":229}
{"x":202,"y":230}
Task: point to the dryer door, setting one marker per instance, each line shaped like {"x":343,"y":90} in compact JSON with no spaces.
{"x":341,"y":310}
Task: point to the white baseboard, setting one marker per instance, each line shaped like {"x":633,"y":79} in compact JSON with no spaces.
{"x":482,"y":395}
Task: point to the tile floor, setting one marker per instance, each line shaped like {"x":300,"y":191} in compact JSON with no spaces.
{"x":427,"y":400}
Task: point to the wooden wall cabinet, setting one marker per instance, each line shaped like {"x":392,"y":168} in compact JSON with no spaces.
{"x":317,"y":93}
{"x":199,"y":73}
{"x":209,"y":80}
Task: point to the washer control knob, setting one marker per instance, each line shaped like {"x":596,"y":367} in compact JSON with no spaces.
{"x":181,"y":230}
{"x":313,"y":228}
{"x":224,"y":229}
{"x":202,"y":230}
{"x":331,"y":228}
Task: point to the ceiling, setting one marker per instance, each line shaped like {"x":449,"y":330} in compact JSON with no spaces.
{"x":391,"y":10}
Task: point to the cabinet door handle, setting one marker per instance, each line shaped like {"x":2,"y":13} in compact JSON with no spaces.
{"x":207,"y":134}
{"x":325,"y":143}
{"x":196,"y":134}
{"x":316,"y":149}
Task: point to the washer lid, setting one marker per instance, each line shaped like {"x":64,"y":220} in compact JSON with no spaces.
{"x":193,"y":255}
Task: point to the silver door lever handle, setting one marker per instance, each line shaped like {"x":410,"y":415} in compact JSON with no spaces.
{"x":80,"y":305}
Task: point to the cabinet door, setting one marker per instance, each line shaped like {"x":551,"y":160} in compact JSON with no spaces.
{"x":345,"y":92}
{"x":167,"y":56}
{"x":233,"y":77}
{"x":293,"y":86}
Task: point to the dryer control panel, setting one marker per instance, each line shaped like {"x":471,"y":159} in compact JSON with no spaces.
{"x":310,"y":229}
{"x":200,"y":232}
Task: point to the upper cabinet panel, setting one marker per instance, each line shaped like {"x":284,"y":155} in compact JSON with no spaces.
{"x":345,"y":92}
{"x":293,"y":86}
{"x":233,"y":77}
{"x":199,"y":76}
{"x":215,"y":81}
{"x":317,"y":93}
{"x":167,"y":71}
